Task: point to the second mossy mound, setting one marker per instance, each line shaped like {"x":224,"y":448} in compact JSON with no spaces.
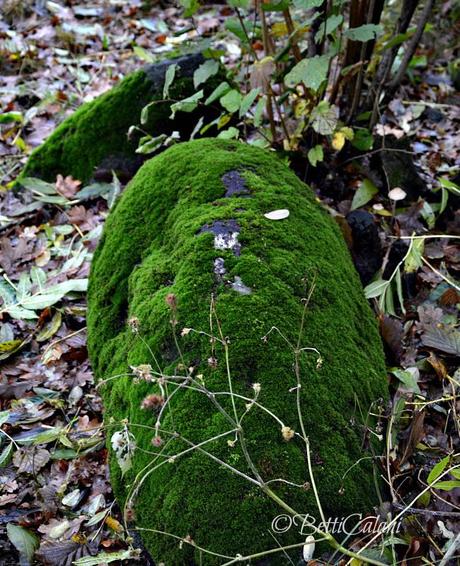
{"x":96,"y":135}
{"x":191,"y":252}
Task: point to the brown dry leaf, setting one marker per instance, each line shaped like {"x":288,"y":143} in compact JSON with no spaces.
{"x":416,"y":433}
{"x":8,"y":498}
{"x":82,"y":217}
{"x":429,"y":316}
{"x":67,"y":186}
{"x":392,"y":331}
{"x":261,"y":73}
{"x":61,"y":528}
{"x":31,"y":460}
{"x":64,"y":553}
{"x":438,"y":365}
{"x":450,"y":297}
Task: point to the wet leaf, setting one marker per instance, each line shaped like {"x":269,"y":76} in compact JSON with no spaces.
{"x":5,"y":455}
{"x":248,"y":101}
{"x":25,"y":542}
{"x":447,"y":485}
{"x":30,"y":460}
{"x":366,"y":192}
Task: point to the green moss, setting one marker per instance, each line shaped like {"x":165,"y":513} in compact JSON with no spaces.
{"x":152,"y":246}
{"x":98,"y":129}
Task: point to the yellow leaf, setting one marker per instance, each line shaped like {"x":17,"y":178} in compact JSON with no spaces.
{"x":279,"y":29}
{"x":301,"y":108}
{"x":223,"y":120}
{"x":338,"y":140}
{"x":113,"y":524}
{"x":347,"y":132}
{"x":383,"y":212}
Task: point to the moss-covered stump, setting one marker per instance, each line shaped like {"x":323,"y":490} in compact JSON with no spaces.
{"x":95,"y":136}
{"x":192,"y":225}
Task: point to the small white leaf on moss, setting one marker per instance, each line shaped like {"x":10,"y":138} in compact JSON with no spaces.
{"x":280,"y":214}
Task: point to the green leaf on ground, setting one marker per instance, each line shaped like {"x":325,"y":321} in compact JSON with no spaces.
{"x":366,"y":192}
{"x":25,"y":542}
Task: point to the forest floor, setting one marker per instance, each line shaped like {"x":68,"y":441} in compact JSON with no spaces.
{"x":54,"y":480}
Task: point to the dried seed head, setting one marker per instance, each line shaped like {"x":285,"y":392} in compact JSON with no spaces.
{"x":157,"y":441}
{"x":134,"y":324}
{"x":143,"y":371}
{"x":152,"y":401}
{"x":256,"y":387}
{"x":287,"y":433}
{"x":212,"y":362}
{"x":129,"y":514}
{"x":171,"y":301}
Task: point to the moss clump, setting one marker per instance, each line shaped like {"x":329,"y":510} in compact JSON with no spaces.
{"x":160,"y":240}
{"x":96,"y":134}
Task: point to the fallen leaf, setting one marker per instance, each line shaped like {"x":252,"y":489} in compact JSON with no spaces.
{"x":31,"y":460}
{"x":280,"y":214}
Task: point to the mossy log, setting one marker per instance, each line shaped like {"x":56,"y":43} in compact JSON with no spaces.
{"x":96,"y":135}
{"x":190,"y":226}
